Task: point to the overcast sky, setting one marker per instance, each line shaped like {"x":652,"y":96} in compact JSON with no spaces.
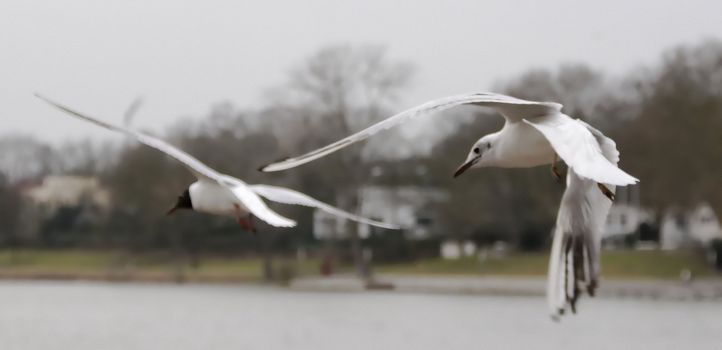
{"x":184,"y":56}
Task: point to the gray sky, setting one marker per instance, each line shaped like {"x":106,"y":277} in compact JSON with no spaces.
{"x":184,"y":56}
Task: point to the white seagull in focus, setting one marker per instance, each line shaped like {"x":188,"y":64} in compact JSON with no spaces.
{"x":534,"y":134}
{"x":218,"y":194}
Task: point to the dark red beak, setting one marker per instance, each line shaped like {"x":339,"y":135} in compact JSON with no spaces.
{"x":464,"y":167}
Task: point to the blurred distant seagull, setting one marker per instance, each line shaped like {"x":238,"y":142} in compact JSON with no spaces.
{"x":534,"y":134}
{"x":131,"y":111}
{"x":219,"y":194}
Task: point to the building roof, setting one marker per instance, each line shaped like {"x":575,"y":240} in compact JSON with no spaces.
{"x":57,"y":190}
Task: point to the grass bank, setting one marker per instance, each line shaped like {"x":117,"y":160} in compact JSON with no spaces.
{"x":109,"y":265}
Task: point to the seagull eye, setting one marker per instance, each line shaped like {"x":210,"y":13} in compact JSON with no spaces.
{"x":476,"y":150}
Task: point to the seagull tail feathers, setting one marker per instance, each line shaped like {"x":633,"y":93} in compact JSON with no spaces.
{"x":573,"y":268}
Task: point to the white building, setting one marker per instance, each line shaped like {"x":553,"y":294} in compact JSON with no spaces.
{"x":677,"y":228}
{"x":410,"y":207}
{"x":56,"y":193}
{"x":626,"y":214}
{"x":68,"y":191}
{"x":684,"y":228}
{"x":453,"y":250}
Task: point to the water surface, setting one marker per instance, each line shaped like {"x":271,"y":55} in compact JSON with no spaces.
{"x":81,"y":315}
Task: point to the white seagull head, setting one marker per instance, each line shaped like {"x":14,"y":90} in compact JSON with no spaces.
{"x":480,"y":155}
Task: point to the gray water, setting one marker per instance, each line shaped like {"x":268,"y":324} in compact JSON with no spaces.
{"x":80,"y":316}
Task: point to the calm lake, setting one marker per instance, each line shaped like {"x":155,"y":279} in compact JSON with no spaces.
{"x":83,"y":315}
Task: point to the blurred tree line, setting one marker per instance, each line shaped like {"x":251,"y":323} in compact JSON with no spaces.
{"x":666,"y":119}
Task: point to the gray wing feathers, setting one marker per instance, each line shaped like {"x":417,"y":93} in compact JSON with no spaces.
{"x":606,"y":145}
{"x":249,"y":198}
{"x":288,"y":196}
{"x":580,"y":149}
{"x":513,"y":109}
{"x":194,"y":165}
{"x":255,"y":204}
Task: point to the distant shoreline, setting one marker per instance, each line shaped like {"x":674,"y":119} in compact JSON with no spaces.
{"x":625,"y":274}
{"x":699,"y":290}
{"x":514,"y":286}
{"x":166,"y":277}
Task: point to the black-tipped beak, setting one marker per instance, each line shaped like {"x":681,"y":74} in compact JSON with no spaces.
{"x":464,"y":167}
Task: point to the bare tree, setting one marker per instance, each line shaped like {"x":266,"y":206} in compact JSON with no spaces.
{"x":336,"y":91}
{"x":85,"y":157}
{"x":9,"y":210}
{"x":674,"y":142}
{"x":586,"y":93}
{"x":23,"y":157}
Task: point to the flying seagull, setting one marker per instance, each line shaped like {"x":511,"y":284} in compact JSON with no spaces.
{"x":534,"y":134}
{"x":219,"y":194}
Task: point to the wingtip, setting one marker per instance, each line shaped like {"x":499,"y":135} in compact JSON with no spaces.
{"x":268,"y":168}
{"x":621,"y":178}
{"x":273,"y":166}
{"x":47,"y":100}
{"x":391,"y":227}
{"x":286,"y":223}
{"x":631,"y":181}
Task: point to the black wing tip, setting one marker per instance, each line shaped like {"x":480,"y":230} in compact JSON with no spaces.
{"x":49,"y":101}
{"x":40,"y":96}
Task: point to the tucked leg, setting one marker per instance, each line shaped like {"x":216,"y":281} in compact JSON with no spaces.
{"x":246,"y":222}
{"x":606,"y":191}
{"x":555,"y":170}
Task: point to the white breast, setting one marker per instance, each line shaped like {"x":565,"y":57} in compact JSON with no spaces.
{"x":522,"y":146}
{"x":212,"y":198}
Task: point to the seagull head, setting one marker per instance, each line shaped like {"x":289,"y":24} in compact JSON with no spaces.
{"x":184,"y":202}
{"x":480,"y":154}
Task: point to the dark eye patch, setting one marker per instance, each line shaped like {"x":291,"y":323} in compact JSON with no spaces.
{"x":476,"y":150}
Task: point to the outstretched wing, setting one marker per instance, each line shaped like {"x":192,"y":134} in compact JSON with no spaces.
{"x":240,"y":189}
{"x":199,"y":169}
{"x":255,"y":204}
{"x":574,"y":260}
{"x":513,"y":109}
{"x":577,"y":146}
{"x":288,"y":196}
